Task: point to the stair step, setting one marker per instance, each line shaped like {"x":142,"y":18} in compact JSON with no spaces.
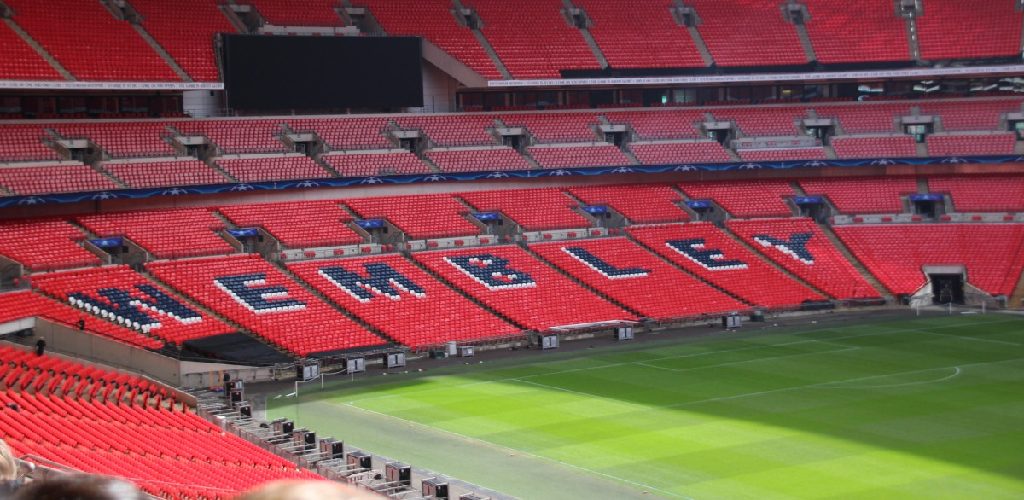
{"x":163,"y":53}
{"x":39,"y":49}
{"x":857,"y":264}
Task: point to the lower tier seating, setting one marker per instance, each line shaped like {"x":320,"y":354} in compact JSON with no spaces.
{"x":704,"y":250}
{"x":661,"y":153}
{"x":122,"y":296}
{"x":22,"y":305}
{"x":253,"y":293}
{"x":760,"y":198}
{"x":273,"y":168}
{"x":639,"y":203}
{"x":44,"y":244}
{"x":420,"y":217}
{"x":56,"y":178}
{"x":402,"y":300}
{"x":102,"y":422}
{"x":585,"y":155}
{"x":165,"y":173}
{"x":167,"y":234}
{"x":895,"y":254}
{"x":863,"y":195}
{"x":478,"y":160}
{"x":302,"y":224}
{"x":509,"y":280}
{"x":982,"y":193}
{"x":532,"y":209}
{"x":629,"y":274}
{"x":369,"y":164}
{"x":801,"y":247}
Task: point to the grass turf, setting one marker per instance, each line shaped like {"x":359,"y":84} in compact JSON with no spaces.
{"x":918,"y":408}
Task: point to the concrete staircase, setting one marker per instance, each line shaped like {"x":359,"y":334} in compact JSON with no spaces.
{"x":39,"y":49}
{"x":98,"y":166}
{"x":587,"y":35}
{"x":488,"y":48}
{"x":155,"y":45}
{"x":857,"y":264}
{"x":212,"y":163}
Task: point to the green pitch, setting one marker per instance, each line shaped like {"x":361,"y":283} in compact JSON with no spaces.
{"x":917,"y":408}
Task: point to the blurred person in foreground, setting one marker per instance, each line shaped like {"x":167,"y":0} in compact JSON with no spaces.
{"x":308,"y":490}
{"x":80,"y":487}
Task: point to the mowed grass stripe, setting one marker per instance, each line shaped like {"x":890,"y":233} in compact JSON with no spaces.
{"x":908,"y":408}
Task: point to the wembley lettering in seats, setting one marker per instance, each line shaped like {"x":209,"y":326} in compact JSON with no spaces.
{"x":246,"y":289}
{"x":491,"y":271}
{"x":122,"y":307}
{"x":381,"y":279}
{"x":708,"y":258}
{"x":605,"y":269}
{"x":795,"y":247}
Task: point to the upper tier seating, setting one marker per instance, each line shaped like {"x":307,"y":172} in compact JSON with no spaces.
{"x":761,"y":198}
{"x":238,"y":136}
{"x":790,"y":154}
{"x":968,"y":29}
{"x":624,"y":271}
{"x":532,"y":209}
{"x":118,"y":425}
{"x":555,"y":127}
{"x":639,"y":203}
{"x":302,"y":224}
{"x":187,"y":33}
{"x":604,"y":155}
{"x":864,"y":118}
{"x":661,"y":124}
{"x":982,"y":193}
{"x":44,"y":244}
{"x":273,"y":168}
{"x":748,"y":33}
{"x":24,"y":143}
{"x":895,"y":254}
{"x":20,"y":61}
{"x":452,"y":130}
{"x":478,"y":160}
{"x":641,"y":34}
{"x":99,"y":47}
{"x":419,"y":217}
{"x":370,"y":164}
{"x":509,"y":280}
{"x":433,"y":20}
{"x":661,"y":153}
{"x":21,"y":305}
{"x":310,"y":13}
{"x":801,"y":247}
{"x":894,"y":146}
{"x":56,"y":178}
{"x":532,"y":38}
{"x":704,"y":250}
{"x":870,"y":32}
{"x":973,"y":115}
{"x":123,"y":139}
{"x":167,"y":234}
{"x":346,"y":133}
{"x":863,"y":195}
{"x":965,"y":145}
{"x":403,"y":301}
{"x":253,"y":293}
{"x":114,"y":291}
{"x":165,"y":173}
{"x":757,"y":122}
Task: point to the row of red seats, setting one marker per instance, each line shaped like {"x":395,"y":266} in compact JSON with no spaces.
{"x":122,"y":139}
{"x":532,"y":209}
{"x":20,"y":61}
{"x":981,"y":193}
{"x":153,"y":301}
{"x":584,"y":155}
{"x":302,"y":224}
{"x":55,"y":178}
{"x":44,"y":244}
{"x":187,"y":32}
{"x":452,"y":130}
{"x":969,"y":29}
{"x":629,"y":274}
{"x":346,"y":133}
{"x":165,"y":173}
{"x":370,"y":164}
{"x":478,"y":160}
{"x":662,"y":153}
{"x":22,"y":370}
{"x":166,"y":234}
{"x":286,"y":314}
{"x":638,"y":203}
{"x":641,"y":34}
{"x":863,"y":195}
{"x":966,"y":145}
{"x":758,"y":198}
{"x":704,"y":250}
{"x":419,"y":217}
{"x":896,"y":253}
{"x":272,"y":168}
{"x":402,"y":300}
{"x":895,"y":146}
{"x":787,"y":154}
{"x":872,"y":31}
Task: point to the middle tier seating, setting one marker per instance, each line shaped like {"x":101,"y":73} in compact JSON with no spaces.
{"x":970,"y":145}
{"x":370,"y":164}
{"x":893,"y":146}
{"x":583,"y":155}
{"x":532,"y":209}
{"x":707,"y":252}
{"x":165,"y":173}
{"x":510,"y":281}
{"x":760,"y":198}
{"x":253,"y":293}
{"x":403,"y":301}
{"x":166,"y":234}
{"x":452,"y":130}
{"x":639,"y":203}
{"x":55,"y":178}
{"x":791,"y":154}
{"x":238,"y":136}
{"x":803,"y":249}
{"x":632,"y":276}
{"x":982,"y":193}
{"x":123,"y":139}
{"x":895,"y":254}
{"x":662,"y":153}
{"x":478,"y":160}
{"x":863,"y":195}
{"x":300,"y":224}
{"x":273,"y":168}
{"x":124,"y":296}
